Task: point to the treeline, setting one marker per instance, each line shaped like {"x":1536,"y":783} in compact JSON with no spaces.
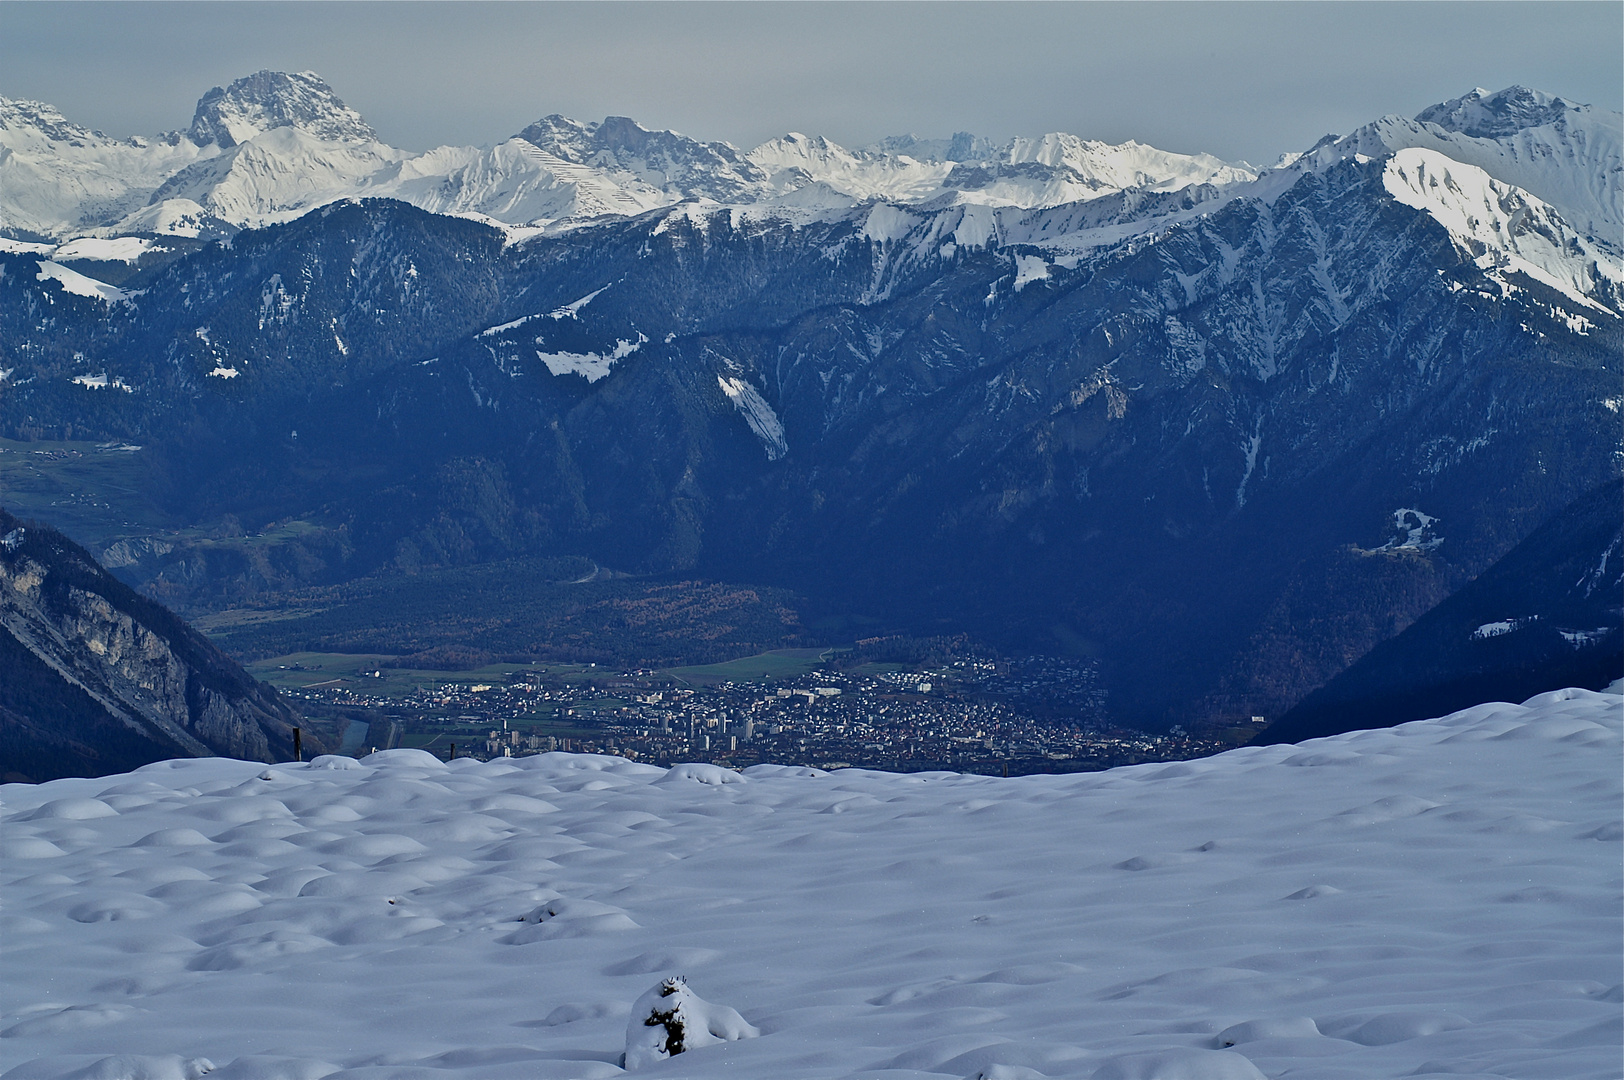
{"x":914,"y":651}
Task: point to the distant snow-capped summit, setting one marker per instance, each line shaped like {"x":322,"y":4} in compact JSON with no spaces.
{"x":1569,"y":155}
{"x":963,"y":146}
{"x":60,"y":179}
{"x":22,"y":118}
{"x":665,"y":160}
{"x":1483,"y":115}
{"x":1049,"y":170}
{"x":267,"y":100}
{"x":272,"y":146}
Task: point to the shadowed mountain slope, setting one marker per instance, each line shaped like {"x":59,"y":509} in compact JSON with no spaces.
{"x":1548,"y":615}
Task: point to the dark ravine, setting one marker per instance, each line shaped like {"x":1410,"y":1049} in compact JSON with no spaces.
{"x":99,"y":679}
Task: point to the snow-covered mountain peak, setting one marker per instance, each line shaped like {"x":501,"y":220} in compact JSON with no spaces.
{"x":60,"y":179}
{"x":963,"y":146}
{"x":267,"y":100}
{"x":1130,"y":164}
{"x":617,"y":139}
{"x":667,"y":161}
{"x":1570,"y":156}
{"x":23,"y":117}
{"x":560,"y":136}
{"x":795,"y":160}
{"x":1485,"y":115}
{"x":1050,"y":170}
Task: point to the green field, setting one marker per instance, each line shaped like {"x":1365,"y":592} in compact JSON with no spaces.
{"x":92,"y":494}
{"x":771,"y":666}
{"x":365,"y":673}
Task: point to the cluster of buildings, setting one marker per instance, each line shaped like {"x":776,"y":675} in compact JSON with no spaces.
{"x":1035,"y":714}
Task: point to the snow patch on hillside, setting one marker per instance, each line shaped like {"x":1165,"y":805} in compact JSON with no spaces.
{"x":125,"y":249}
{"x":74,"y":282}
{"x":758,"y":414}
{"x":1412,"y":530}
{"x":1502,"y":627}
{"x":572,"y":310}
{"x":592,"y":365}
{"x":103,"y":381}
{"x":1030,"y":268}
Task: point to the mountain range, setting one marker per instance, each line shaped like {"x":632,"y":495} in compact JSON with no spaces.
{"x":1225,"y":429}
{"x":271,"y":146}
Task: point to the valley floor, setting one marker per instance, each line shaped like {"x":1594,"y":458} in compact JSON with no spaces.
{"x":1441,"y":898}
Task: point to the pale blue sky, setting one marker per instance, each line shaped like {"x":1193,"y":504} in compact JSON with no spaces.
{"x":1241,"y":80}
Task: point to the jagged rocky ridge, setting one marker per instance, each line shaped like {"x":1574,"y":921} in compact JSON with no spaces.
{"x":98,"y":679}
{"x":1167,"y":427}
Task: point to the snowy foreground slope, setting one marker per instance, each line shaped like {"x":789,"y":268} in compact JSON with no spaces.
{"x":1436,"y":899}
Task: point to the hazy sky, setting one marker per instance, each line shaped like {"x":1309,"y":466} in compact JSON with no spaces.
{"x":1241,"y":80}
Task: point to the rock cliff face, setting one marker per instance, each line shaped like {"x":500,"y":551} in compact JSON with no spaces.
{"x":99,"y":679}
{"x":266,"y":100}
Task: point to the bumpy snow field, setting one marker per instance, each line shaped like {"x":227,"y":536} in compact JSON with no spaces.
{"x":1441,"y":899}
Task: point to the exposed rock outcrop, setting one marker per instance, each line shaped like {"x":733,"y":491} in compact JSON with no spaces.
{"x":99,"y":679}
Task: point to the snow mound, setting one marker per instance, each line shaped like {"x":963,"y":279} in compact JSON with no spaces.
{"x":1180,"y":1064}
{"x":1441,"y":897}
{"x":670,"y":1019}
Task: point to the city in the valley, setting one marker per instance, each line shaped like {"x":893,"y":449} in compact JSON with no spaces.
{"x":1027,"y":715}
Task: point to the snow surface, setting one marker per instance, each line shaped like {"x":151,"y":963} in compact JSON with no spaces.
{"x":74,"y":282}
{"x":1412,"y":531}
{"x":797,"y":160}
{"x":1502,"y":227}
{"x":102,"y":382}
{"x":1029,"y":268}
{"x":1436,"y":899}
{"x":126,"y":249}
{"x":1498,"y":629}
